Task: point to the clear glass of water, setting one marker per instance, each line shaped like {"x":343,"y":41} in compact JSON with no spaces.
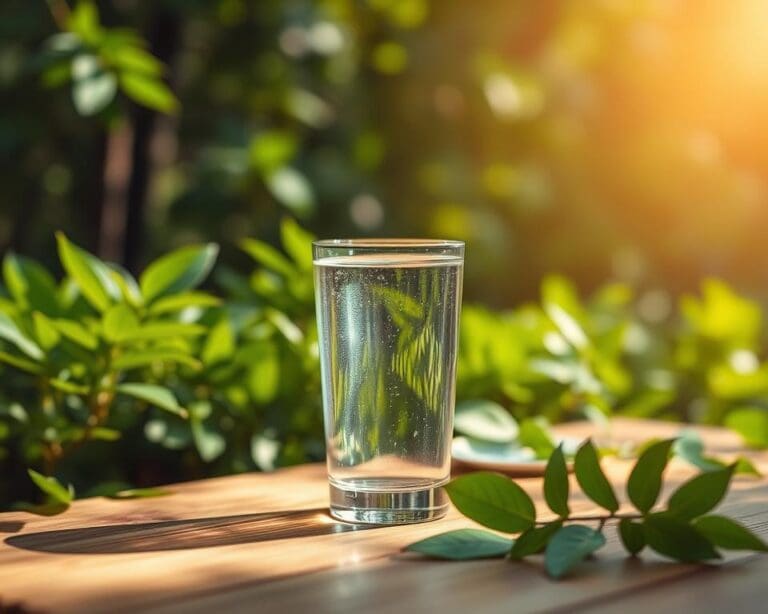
{"x":387,"y":316}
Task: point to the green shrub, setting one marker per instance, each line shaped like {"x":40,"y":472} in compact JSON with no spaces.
{"x":109,"y":382}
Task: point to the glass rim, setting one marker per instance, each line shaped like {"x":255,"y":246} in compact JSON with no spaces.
{"x":389,"y":242}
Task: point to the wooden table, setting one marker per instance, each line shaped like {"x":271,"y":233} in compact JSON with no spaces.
{"x":265,"y":543}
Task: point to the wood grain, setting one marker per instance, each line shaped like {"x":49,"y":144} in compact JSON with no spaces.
{"x":265,"y":542}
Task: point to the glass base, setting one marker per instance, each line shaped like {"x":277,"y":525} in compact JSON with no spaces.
{"x":388,"y":507}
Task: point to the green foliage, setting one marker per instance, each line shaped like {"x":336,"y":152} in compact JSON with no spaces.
{"x":101,"y":61}
{"x":681,"y":531}
{"x":591,"y":478}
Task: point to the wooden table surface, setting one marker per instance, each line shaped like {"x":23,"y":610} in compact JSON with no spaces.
{"x":265,"y":542}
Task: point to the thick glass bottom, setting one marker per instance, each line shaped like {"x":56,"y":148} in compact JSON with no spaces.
{"x":351,"y":502}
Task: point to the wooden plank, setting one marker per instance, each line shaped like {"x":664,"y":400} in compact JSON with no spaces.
{"x":228,"y":544}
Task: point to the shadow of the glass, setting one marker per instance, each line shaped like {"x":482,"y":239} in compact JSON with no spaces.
{"x":184,"y":534}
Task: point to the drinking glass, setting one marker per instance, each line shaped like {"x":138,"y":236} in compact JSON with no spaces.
{"x":387,"y":317}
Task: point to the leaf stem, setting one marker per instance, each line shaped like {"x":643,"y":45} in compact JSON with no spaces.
{"x":599,"y":518}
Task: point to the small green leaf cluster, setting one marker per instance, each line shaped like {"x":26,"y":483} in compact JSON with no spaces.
{"x":101,"y":61}
{"x":683,"y":530}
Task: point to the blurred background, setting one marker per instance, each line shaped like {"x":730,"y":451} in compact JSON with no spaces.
{"x":616,"y":143}
{"x":598,"y":138}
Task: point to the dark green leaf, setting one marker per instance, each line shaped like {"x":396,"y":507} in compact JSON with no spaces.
{"x":534,"y":540}
{"x":92,"y":276}
{"x":644,"y":482}
{"x":155,"y":395}
{"x":52,"y":487}
{"x":462,"y":545}
{"x":569,"y":546}
{"x":178,"y":271}
{"x":592,"y":479}
{"x":485,"y":420}
{"x":676,"y":539}
{"x":728,"y":534}
{"x":52,"y":508}
{"x":148,"y":91}
{"x":556,"y":486}
{"x":700,"y":494}
{"x":492,"y":500}
{"x":632,"y":535}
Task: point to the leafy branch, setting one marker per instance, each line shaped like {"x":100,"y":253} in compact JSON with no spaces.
{"x":683,"y":530}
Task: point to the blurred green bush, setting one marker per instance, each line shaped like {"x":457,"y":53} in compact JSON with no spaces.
{"x":111,"y":382}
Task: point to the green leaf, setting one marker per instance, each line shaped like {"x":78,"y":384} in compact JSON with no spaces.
{"x":119,"y":322}
{"x":462,"y":545}
{"x":92,"y":276}
{"x":534,"y":434}
{"x":644,"y":482}
{"x":492,"y":500}
{"x":93,"y":87}
{"x":556,"y":487}
{"x":144,"y":358}
{"x":632,"y":535}
{"x":700,"y":494}
{"x":220,"y":345}
{"x":21,"y":363}
{"x":209,"y":442}
{"x":77,"y":333}
{"x":292,"y":190}
{"x":11,"y":332}
{"x":136,"y":60}
{"x":268,"y":256}
{"x":68,"y":387}
{"x":148,"y":91}
{"x":690,"y":448}
{"x":178,"y":271}
{"x":485,"y":420}
{"x":177,"y":302}
{"x":46,"y":333}
{"x":728,"y":534}
{"x":52,"y":487}
{"x":155,"y":395}
{"x":52,"y":508}
{"x":161,"y":330}
{"x":297,"y":242}
{"x":140,"y":493}
{"x":592,"y":479}
{"x":751,"y":423}
{"x":534,"y":540}
{"x":745,"y":466}
{"x":83,"y":20}
{"x":271,"y":150}
{"x":31,"y":286}
{"x":674,"y":538}
{"x":569,"y":546}
{"x":567,"y":325}
{"x":129,"y":287}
